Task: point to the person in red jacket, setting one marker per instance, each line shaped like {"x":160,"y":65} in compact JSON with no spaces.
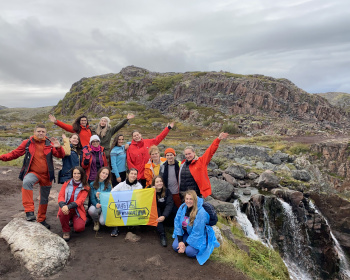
{"x":71,"y":202}
{"x":37,"y":168}
{"x":80,"y":126}
{"x":193,"y":173}
{"x":137,"y":154}
{"x":94,"y":158}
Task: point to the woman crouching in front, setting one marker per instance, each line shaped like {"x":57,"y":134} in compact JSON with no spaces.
{"x":71,"y":202}
{"x":193,"y":236}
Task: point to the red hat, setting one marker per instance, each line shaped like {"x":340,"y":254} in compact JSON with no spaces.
{"x":170,"y":150}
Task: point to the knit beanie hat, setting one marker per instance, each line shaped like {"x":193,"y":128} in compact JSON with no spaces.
{"x":94,"y":137}
{"x":170,"y":150}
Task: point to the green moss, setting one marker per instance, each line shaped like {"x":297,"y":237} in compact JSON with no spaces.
{"x":230,"y":128}
{"x":163,"y":83}
{"x":263,"y":263}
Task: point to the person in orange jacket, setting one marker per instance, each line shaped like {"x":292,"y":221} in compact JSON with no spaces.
{"x":37,"y":167}
{"x":137,"y":153}
{"x":94,"y":158}
{"x":79,"y":126}
{"x":71,"y":202}
{"x":153,"y":165}
{"x":193,"y":173}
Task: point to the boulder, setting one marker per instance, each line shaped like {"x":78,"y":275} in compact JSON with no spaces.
{"x":42,"y":252}
{"x":218,"y":234}
{"x":230,"y":179}
{"x":251,"y":151}
{"x":301,"y":175}
{"x":252,"y":176}
{"x":279,"y":157}
{"x":132,"y":237}
{"x":268,"y":180}
{"x":221,"y":189}
{"x":237,"y":171}
{"x":212,"y":165}
{"x":225,"y":209}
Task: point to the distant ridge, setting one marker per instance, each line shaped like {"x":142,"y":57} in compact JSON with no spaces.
{"x":340,"y":99}
{"x":207,"y":99}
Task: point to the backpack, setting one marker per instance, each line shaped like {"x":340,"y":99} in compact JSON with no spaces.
{"x":213,"y":217}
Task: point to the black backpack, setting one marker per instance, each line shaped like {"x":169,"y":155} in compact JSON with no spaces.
{"x":213,"y":217}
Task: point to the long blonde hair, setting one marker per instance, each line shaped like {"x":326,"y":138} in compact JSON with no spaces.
{"x":194,"y":210}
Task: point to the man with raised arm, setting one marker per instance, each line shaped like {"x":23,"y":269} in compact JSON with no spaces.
{"x":37,"y":167}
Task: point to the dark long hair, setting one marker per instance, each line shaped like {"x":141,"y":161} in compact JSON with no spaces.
{"x":107,"y":182}
{"x":76,"y":123}
{"x":154,"y":183}
{"x":83,"y":178}
{"x":115,"y":140}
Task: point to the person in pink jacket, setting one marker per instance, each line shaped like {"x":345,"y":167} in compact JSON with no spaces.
{"x":137,"y":153}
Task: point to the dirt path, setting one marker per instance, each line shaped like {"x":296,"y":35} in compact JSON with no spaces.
{"x":101,"y":256}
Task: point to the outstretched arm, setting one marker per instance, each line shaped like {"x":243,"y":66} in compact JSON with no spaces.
{"x":20,"y":151}
{"x":163,"y":134}
{"x":209,"y":153}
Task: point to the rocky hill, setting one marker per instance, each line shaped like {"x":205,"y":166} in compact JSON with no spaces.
{"x":339,"y":99}
{"x":252,"y":104}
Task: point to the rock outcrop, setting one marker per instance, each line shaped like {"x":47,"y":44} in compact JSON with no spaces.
{"x":42,"y":252}
{"x":258,"y":101}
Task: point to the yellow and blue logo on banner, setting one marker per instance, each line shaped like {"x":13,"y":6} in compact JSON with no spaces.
{"x":130,"y":208}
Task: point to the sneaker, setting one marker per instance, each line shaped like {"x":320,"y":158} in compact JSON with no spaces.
{"x":45,"y":224}
{"x":115,"y":232}
{"x":66,"y":236}
{"x":163,"y":241}
{"x":96,"y":226}
{"x":30,"y":216}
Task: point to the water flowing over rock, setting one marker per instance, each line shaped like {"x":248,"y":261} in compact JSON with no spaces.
{"x":42,"y":252}
{"x":288,"y":223}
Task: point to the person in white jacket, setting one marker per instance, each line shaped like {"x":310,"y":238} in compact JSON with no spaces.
{"x":129,"y":184}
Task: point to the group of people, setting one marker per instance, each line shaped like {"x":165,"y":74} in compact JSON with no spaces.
{"x":91,"y":166}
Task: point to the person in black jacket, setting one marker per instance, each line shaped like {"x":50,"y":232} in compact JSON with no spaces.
{"x":165,"y":205}
{"x":169,"y":171}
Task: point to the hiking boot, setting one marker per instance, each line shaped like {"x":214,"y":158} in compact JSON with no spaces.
{"x":163,"y":241}
{"x":66,"y":236}
{"x":115,"y":232}
{"x":45,"y":224}
{"x":96,"y":226}
{"x":30,"y":216}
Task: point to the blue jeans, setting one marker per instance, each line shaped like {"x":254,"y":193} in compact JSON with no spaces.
{"x":189,"y":251}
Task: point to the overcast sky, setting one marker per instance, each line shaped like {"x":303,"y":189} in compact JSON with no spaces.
{"x":46,"y":46}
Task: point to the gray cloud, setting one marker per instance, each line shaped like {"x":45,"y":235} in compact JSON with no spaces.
{"x":46,"y":47}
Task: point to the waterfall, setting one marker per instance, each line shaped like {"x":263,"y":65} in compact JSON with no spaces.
{"x":293,"y":254}
{"x":244,"y":222}
{"x":344,"y":263}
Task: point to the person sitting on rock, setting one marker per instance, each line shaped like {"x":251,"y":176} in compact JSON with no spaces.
{"x":129,"y":184}
{"x":193,"y":173}
{"x":193,"y":236}
{"x":165,"y":205}
{"x":37,"y":167}
{"x":137,"y":154}
{"x":102,"y":184}
{"x":71,"y":202}
{"x":152,"y":167}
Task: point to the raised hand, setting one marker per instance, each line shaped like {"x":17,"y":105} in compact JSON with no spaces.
{"x":171,"y":124}
{"x":130,"y":116}
{"x":55,"y":143}
{"x":223,"y":135}
{"x":52,"y":118}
